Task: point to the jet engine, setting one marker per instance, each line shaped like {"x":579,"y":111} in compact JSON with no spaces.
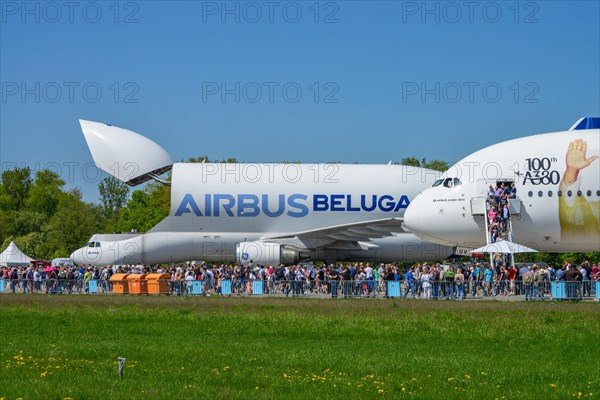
{"x":265,"y":253}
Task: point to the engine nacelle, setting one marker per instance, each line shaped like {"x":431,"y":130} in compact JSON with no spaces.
{"x":265,"y":253}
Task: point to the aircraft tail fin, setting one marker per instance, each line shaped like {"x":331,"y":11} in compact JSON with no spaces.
{"x":586,"y":123}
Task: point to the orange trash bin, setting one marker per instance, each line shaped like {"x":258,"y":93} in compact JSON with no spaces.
{"x":119,"y":283}
{"x":158,"y":283}
{"x":137,"y":284}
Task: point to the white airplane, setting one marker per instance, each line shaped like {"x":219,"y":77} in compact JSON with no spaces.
{"x":557,"y":177}
{"x":260,"y":213}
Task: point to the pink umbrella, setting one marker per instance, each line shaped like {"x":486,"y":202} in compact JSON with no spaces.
{"x":50,"y":269}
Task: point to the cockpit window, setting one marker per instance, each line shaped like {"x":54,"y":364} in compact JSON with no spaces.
{"x":448,"y":182}
{"x":97,"y":244}
{"x":91,"y":244}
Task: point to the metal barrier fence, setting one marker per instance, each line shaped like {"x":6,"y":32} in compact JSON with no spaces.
{"x":449,"y":290}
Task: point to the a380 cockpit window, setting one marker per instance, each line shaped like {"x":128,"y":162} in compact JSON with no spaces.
{"x":93,"y":244}
{"x":448,"y":182}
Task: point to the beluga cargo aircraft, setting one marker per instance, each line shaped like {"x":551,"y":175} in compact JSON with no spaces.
{"x":265,"y":213}
{"x":557,"y":203}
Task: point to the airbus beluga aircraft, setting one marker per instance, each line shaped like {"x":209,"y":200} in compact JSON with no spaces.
{"x":260,"y":213}
{"x":557,"y":208}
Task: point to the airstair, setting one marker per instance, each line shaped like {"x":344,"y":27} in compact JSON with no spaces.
{"x":480,"y":207}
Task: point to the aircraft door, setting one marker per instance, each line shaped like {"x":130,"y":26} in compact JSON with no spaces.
{"x":482,"y":188}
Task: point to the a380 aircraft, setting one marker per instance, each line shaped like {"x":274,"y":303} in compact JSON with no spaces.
{"x":260,"y":213}
{"x":557,"y":177}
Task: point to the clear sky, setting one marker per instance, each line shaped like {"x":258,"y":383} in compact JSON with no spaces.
{"x":350,"y":81}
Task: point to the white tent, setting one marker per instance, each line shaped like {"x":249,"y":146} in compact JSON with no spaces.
{"x":504,"y":246}
{"x":12,"y":256}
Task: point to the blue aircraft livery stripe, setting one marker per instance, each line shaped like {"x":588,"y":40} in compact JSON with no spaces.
{"x":294,"y":205}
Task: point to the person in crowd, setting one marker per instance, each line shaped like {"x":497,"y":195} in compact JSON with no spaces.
{"x":459,"y":284}
{"x":426,"y":282}
{"x":409,"y":283}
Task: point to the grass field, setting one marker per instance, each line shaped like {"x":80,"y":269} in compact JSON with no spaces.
{"x":241,"y":348}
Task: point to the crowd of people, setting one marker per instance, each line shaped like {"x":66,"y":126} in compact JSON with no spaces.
{"x":498,"y":210}
{"x":426,"y":281}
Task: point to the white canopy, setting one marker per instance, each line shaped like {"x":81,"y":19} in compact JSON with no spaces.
{"x":12,"y":255}
{"x":504,"y":246}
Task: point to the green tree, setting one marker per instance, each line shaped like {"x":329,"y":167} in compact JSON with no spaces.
{"x":113,"y":194}
{"x":205,"y":159}
{"x":15,"y":187}
{"x":145,"y":209}
{"x":411,"y":161}
{"x":26,"y":221}
{"x":44,"y":193}
{"x":71,"y":226}
{"x":437,"y":165}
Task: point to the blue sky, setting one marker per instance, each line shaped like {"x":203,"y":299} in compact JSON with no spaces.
{"x":378,"y":80}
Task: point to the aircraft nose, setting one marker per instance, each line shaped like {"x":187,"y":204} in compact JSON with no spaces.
{"x":76,"y":257}
{"x":412,"y":215}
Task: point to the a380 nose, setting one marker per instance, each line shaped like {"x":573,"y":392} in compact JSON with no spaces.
{"x":412,"y":216}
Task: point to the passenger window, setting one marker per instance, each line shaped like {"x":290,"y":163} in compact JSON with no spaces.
{"x":579,"y":193}
{"x":530,"y":194}
{"x":560,"y":193}
{"x":540,"y":193}
{"x":569,"y":193}
{"x":589,"y":193}
{"x":549,"y":193}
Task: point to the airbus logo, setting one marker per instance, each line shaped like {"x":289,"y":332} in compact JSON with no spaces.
{"x":294,"y":205}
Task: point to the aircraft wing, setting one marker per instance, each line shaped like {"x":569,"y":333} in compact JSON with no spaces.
{"x":358,"y":231}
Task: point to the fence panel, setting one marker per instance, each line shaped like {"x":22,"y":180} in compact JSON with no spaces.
{"x":196,"y":288}
{"x":393,"y":289}
{"x":559,"y":290}
{"x":257,"y":287}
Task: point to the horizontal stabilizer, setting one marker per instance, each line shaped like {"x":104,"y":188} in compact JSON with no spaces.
{"x":126,"y":155}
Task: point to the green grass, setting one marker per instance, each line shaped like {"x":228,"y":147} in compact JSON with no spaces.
{"x":275,"y":348}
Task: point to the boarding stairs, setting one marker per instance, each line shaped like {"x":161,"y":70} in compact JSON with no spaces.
{"x":480,"y":208}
